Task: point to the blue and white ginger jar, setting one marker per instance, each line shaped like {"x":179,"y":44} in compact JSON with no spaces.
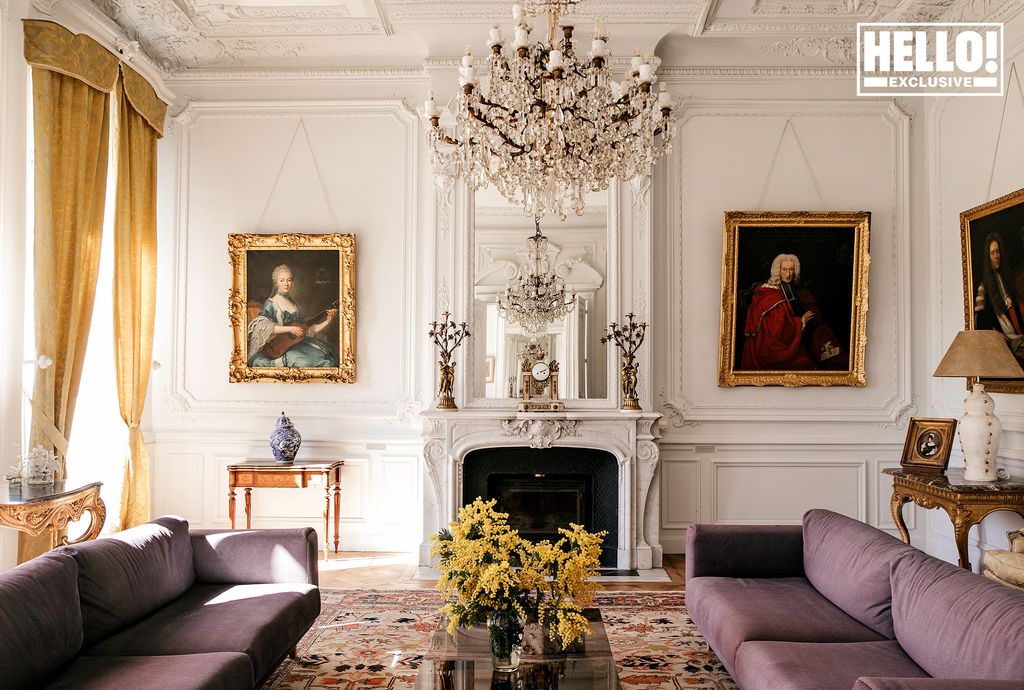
{"x":285,"y":441}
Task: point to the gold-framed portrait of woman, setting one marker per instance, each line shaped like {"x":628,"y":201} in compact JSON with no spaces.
{"x":794,"y":298}
{"x":293,"y":308}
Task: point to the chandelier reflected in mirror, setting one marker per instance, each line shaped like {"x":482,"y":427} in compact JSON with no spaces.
{"x":537,"y":295}
{"x":545,"y":123}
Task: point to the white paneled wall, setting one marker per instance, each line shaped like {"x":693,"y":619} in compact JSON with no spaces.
{"x":247,"y":166}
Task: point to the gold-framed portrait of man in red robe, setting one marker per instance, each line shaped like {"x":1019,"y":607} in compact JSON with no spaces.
{"x":794,"y":298}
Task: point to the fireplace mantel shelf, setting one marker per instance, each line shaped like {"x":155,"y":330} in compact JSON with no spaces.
{"x":632,"y":437}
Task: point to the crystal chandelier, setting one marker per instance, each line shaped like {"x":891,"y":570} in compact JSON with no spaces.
{"x":546,"y":123}
{"x":536,"y":296}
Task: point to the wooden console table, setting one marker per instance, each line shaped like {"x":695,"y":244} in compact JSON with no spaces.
{"x":966,"y":503}
{"x":267,"y":474}
{"x":36,"y":508}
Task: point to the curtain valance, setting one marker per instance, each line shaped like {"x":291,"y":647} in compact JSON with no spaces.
{"x":49,"y":45}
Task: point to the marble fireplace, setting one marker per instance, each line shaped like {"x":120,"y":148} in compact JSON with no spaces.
{"x":599,"y":467}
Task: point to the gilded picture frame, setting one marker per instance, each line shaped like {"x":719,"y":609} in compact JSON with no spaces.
{"x":999,"y":222}
{"x":292,"y":308}
{"x":928,"y":445}
{"x":799,"y":280}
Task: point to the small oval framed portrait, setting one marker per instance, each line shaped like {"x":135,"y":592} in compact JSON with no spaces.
{"x":928,"y":445}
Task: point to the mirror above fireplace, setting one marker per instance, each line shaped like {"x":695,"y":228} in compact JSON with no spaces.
{"x":577,"y":256}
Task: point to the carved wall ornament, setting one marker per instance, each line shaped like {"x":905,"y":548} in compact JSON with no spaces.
{"x":541,"y":433}
{"x":838,"y":50}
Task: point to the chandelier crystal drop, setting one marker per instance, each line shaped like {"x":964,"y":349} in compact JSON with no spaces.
{"x":537,"y":296}
{"x":545,"y":123}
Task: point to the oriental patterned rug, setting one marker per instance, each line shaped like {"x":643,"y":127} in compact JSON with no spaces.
{"x":375,"y":640}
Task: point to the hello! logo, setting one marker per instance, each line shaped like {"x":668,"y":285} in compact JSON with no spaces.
{"x":929,"y":59}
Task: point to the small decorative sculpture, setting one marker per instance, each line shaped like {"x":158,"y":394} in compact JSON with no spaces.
{"x":628,"y":338}
{"x":285,"y":440}
{"x":39,"y":466}
{"x":447,"y":336}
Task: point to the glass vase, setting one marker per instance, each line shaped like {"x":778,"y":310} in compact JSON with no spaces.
{"x":506,"y":637}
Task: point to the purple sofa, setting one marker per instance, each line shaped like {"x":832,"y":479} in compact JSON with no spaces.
{"x":159,"y":607}
{"x":835,"y":603}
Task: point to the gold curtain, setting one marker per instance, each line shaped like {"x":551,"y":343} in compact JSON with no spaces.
{"x":71,"y":128}
{"x":135,"y":277}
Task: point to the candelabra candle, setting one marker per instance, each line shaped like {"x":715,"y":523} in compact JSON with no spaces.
{"x":447,"y":336}
{"x":628,"y":338}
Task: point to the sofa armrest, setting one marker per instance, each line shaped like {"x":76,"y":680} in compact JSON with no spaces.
{"x":933,"y":684}
{"x":255,"y":556}
{"x":744,"y":551}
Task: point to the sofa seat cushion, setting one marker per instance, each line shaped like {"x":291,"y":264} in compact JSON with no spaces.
{"x":848,"y":562}
{"x":730,"y":611}
{"x":819,"y":665}
{"x":124,"y":577}
{"x":262,"y":621}
{"x":215,"y":671}
{"x":40,"y":621}
{"x":955,"y":624}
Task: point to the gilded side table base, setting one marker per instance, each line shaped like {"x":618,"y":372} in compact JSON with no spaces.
{"x":966,"y":503}
{"x":55,"y":514}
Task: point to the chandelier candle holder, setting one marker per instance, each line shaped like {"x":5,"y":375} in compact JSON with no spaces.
{"x":544,"y":122}
{"x":537,"y":295}
{"x":628,"y":338}
{"x":447,"y":336}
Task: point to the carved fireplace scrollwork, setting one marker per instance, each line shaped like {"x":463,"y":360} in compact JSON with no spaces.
{"x":540,"y":433}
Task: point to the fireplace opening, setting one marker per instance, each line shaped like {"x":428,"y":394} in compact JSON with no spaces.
{"x":538,"y":504}
{"x":543,"y":489}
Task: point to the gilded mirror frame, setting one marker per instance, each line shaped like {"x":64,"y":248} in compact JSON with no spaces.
{"x":472,"y":374}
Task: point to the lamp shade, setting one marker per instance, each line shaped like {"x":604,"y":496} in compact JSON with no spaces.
{"x":982,"y":354}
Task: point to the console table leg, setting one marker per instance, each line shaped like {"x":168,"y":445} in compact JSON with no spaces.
{"x":961,"y":528}
{"x":337,"y":515}
{"x":231,"y":506}
{"x":896,"y":505}
{"x":327,"y":518}
{"x":248,"y":507}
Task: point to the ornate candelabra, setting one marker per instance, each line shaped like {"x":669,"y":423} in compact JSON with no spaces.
{"x":628,"y":338}
{"x":447,"y":336}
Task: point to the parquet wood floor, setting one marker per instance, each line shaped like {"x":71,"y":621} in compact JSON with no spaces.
{"x":374,"y":570}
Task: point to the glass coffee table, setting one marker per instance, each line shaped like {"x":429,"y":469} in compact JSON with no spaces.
{"x":463,"y":662}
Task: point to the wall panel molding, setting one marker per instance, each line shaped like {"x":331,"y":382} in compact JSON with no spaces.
{"x":887,"y":401}
{"x":187,"y":405}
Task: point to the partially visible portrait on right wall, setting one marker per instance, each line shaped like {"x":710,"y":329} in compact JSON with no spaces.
{"x":992,"y":241}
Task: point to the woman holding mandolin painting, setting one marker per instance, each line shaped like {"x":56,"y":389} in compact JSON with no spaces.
{"x":281,"y":337}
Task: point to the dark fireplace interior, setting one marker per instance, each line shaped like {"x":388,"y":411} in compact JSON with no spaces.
{"x":543,"y":489}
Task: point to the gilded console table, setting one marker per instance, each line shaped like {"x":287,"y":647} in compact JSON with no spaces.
{"x":36,"y":508}
{"x":966,"y":503}
{"x":267,"y":474}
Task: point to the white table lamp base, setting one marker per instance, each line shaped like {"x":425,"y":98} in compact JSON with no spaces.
{"x":980,"y":433}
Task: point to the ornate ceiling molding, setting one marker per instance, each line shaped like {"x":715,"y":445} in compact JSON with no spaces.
{"x":449,"y":11}
{"x":838,"y":50}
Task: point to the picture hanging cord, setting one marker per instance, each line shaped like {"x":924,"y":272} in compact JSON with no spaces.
{"x":316,"y":169}
{"x":1013,"y":77}
{"x":771,"y":168}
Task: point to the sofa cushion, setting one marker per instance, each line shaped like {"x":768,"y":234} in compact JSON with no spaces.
{"x":125,"y":576}
{"x":262,"y":621}
{"x":1005,"y":565}
{"x":731,"y":611}
{"x":818,"y":665}
{"x":217,"y":671}
{"x":956,"y":624}
{"x":875,"y":683}
{"x":40,"y":620}
{"x":848,"y":562}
